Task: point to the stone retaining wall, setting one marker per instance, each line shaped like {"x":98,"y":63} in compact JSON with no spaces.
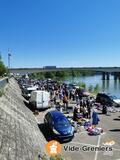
{"x":20,"y":137}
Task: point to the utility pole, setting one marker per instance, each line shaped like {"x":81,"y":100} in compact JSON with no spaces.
{"x":9,"y":62}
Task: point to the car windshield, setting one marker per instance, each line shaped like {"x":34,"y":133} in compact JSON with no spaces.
{"x":29,"y":91}
{"x":62,"y":121}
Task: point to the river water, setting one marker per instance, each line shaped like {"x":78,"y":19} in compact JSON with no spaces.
{"x":110,"y":86}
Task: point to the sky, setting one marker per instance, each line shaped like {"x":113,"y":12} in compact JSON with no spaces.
{"x":62,"y":33}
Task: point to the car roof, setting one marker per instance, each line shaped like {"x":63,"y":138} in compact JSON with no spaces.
{"x":40,"y":91}
{"x":55,"y":114}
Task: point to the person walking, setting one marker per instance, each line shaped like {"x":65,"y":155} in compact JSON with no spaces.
{"x":65,"y":102}
{"x":95,"y":118}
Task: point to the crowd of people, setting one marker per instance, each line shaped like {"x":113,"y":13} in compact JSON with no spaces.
{"x":63,"y":95}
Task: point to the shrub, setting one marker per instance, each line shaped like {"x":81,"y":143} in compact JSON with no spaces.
{"x":90,"y":88}
{"x":97,"y":88}
{"x":3,"y":69}
{"x":82,"y":85}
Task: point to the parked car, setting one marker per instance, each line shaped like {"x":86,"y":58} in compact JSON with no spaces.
{"x":40,"y":99}
{"x":108,"y":99}
{"x":59,"y":126}
{"x":28,"y":90}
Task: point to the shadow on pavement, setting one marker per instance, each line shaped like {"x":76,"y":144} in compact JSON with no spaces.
{"x":33,"y":109}
{"x":116,"y":119}
{"x":99,"y":113}
{"x":44,"y":131}
{"x":48,"y":136}
{"x":115,"y":130}
{"x":29,"y":106}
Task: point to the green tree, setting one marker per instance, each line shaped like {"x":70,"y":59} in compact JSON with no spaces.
{"x":49,"y":74}
{"x":2,"y":68}
{"x":73,"y":73}
{"x":97,"y":88}
{"x":82,"y":85}
{"x":40,"y":75}
{"x":61,"y":74}
{"x":90,"y":89}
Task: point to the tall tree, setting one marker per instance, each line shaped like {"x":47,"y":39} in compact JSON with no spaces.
{"x":2,"y":67}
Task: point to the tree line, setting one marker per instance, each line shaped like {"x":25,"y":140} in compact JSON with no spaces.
{"x":61,"y":74}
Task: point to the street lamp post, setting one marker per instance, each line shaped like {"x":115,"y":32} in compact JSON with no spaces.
{"x":9,"y":64}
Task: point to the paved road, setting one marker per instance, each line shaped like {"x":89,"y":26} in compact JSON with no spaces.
{"x":111,"y":127}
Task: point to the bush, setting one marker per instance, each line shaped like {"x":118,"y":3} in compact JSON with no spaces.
{"x":49,"y":74}
{"x":37,"y":76}
{"x":58,"y":157}
{"x":97,"y":88}
{"x":90,"y":89}
{"x":82,"y":85}
{"x":3,"y":69}
{"x":60,"y":74}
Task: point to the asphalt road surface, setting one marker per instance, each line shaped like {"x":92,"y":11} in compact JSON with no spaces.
{"x":86,"y":143}
{"x":82,"y":144}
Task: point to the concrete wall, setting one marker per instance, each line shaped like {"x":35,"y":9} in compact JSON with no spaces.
{"x":20,"y":137}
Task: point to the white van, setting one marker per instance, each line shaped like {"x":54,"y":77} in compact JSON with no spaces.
{"x":40,"y":99}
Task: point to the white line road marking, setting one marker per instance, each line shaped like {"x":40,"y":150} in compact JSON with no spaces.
{"x":98,"y":144}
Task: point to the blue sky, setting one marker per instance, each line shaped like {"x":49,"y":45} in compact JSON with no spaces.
{"x":66,"y":33}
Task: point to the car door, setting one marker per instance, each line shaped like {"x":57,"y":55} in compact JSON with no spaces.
{"x":45,"y":99}
{"x":51,"y":123}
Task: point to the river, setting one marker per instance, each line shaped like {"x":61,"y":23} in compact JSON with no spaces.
{"x":110,"y":86}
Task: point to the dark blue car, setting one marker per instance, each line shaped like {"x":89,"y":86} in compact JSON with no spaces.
{"x":59,"y":126}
